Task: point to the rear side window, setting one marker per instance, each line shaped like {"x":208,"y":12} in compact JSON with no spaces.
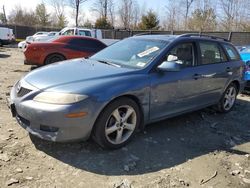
{"x":232,"y":53}
{"x":84,"y":33}
{"x":88,"y":44}
{"x":211,"y":53}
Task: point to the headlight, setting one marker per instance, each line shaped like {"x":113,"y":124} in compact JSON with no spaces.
{"x":59,"y":98}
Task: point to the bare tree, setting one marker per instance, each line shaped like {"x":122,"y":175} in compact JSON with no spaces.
{"x":75,"y":4}
{"x":188,"y":4}
{"x":125,"y":11}
{"x":234,"y":13}
{"x":173,"y":19}
{"x":4,"y":19}
{"x":59,"y":8}
{"x":105,"y":9}
{"x":111,"y":10}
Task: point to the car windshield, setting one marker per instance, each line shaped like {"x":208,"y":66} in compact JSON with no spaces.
{"x":132,"y":52}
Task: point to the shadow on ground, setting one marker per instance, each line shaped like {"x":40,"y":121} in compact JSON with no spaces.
{"x":4,"y":55}
{"x":162,"y":145}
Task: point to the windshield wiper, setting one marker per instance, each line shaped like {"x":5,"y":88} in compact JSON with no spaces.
{"x":108,"y":63}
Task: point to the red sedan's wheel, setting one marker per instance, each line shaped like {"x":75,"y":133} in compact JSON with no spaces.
{"x":54,"y":58}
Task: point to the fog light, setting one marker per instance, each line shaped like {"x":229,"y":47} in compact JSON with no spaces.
{"x":76,"y":115}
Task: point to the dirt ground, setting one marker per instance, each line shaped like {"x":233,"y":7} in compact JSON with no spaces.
{"x":199,"y":149}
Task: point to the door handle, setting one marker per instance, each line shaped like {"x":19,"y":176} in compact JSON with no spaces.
{"x":197,"y":76}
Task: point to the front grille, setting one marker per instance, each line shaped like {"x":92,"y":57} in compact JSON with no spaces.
{"x":23,"y":91}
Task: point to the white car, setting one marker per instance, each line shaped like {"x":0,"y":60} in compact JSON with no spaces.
{"x":22,"y":44}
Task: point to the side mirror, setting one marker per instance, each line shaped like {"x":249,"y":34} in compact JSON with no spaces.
{"x":169,"y":66}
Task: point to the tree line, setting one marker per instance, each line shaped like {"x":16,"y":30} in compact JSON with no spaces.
{"x":189,"y":15}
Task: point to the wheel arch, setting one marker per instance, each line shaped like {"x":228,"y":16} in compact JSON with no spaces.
{"x":237,"y":83}
{"x":129,"y":96}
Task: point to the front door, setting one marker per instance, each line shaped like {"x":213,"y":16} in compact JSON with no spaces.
{"x":175,"y":92}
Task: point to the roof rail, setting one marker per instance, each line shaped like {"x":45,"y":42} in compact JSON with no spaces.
{"x":201,"y":35}
{"x":146,"y":33}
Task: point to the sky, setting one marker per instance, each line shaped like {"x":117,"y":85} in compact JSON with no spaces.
{"x":156,"y":5}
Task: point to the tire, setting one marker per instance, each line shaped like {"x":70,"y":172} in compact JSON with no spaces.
{"x":117,"y":124}
{"x":54,"y":58}
{"x":228,"y":99}
{"x":1,"y":43}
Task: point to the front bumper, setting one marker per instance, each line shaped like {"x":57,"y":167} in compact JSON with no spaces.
{"x":48,"y":121}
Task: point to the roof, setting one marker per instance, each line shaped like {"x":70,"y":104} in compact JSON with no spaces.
{"x":174,"y":37}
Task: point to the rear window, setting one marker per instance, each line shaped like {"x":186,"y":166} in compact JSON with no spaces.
{"x":211,"y":53}
{"x":232,"y":53}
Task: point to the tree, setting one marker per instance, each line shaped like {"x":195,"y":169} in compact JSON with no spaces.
{"x":41,"y":15}
{"x":203,"y":20}
{"x":235,"y":13}
{"x":59,"y":7}
{"x":172,"y":17}
{"x":75,"y":4}
{"x":102,"y":23}
{"x":105,"y":9}
{"x":20,"y":16}
{"x":188,"y":4}
{"x":88,"y":24}
{"x":149,"y":21}
{"x":126,"y":12}
{"x":3,"y":18}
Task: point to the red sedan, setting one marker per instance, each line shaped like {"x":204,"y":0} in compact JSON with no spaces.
{"x":62,"y":48}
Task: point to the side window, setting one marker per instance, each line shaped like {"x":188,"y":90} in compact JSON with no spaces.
{"x":88,"y":44}
{"x":233,"y":55}
{"x":69,"y":32}
{"x":211,"y":53}
{"x":84,"y":33}
{"x":182,"y":54}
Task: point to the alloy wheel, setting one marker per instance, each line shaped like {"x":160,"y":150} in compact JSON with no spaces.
{"x":120,"y":124}
{"x":230,"y":97}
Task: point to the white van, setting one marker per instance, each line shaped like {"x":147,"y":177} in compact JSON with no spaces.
{"x":6,"y":36}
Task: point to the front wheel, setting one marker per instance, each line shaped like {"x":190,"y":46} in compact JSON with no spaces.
{"x":117,"y":124}
{"x":228,"y":99}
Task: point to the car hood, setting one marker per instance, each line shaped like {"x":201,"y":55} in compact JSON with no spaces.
{"x":73,"y":71}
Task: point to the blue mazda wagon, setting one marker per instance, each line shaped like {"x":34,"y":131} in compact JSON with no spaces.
{"x":134,"y":82}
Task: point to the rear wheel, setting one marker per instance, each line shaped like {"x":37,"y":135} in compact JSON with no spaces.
{"x":54,"y":58}
{"x":1,"y":43}
{"x":117,"y":124}
{"x":228,"y":99}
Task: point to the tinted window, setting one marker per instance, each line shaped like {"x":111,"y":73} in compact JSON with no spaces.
{"x":88,"y":44}
{"x":182,"y":54}
{"x":232,"y":53}
{"x":84,"y":33}
{"x":211,"y":53}
{"x":131,"y":52}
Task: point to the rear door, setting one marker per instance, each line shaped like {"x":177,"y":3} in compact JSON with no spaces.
{"x":213,"y":69}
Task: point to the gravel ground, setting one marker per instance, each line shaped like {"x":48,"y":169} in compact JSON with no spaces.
{"x":199,"y":149}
